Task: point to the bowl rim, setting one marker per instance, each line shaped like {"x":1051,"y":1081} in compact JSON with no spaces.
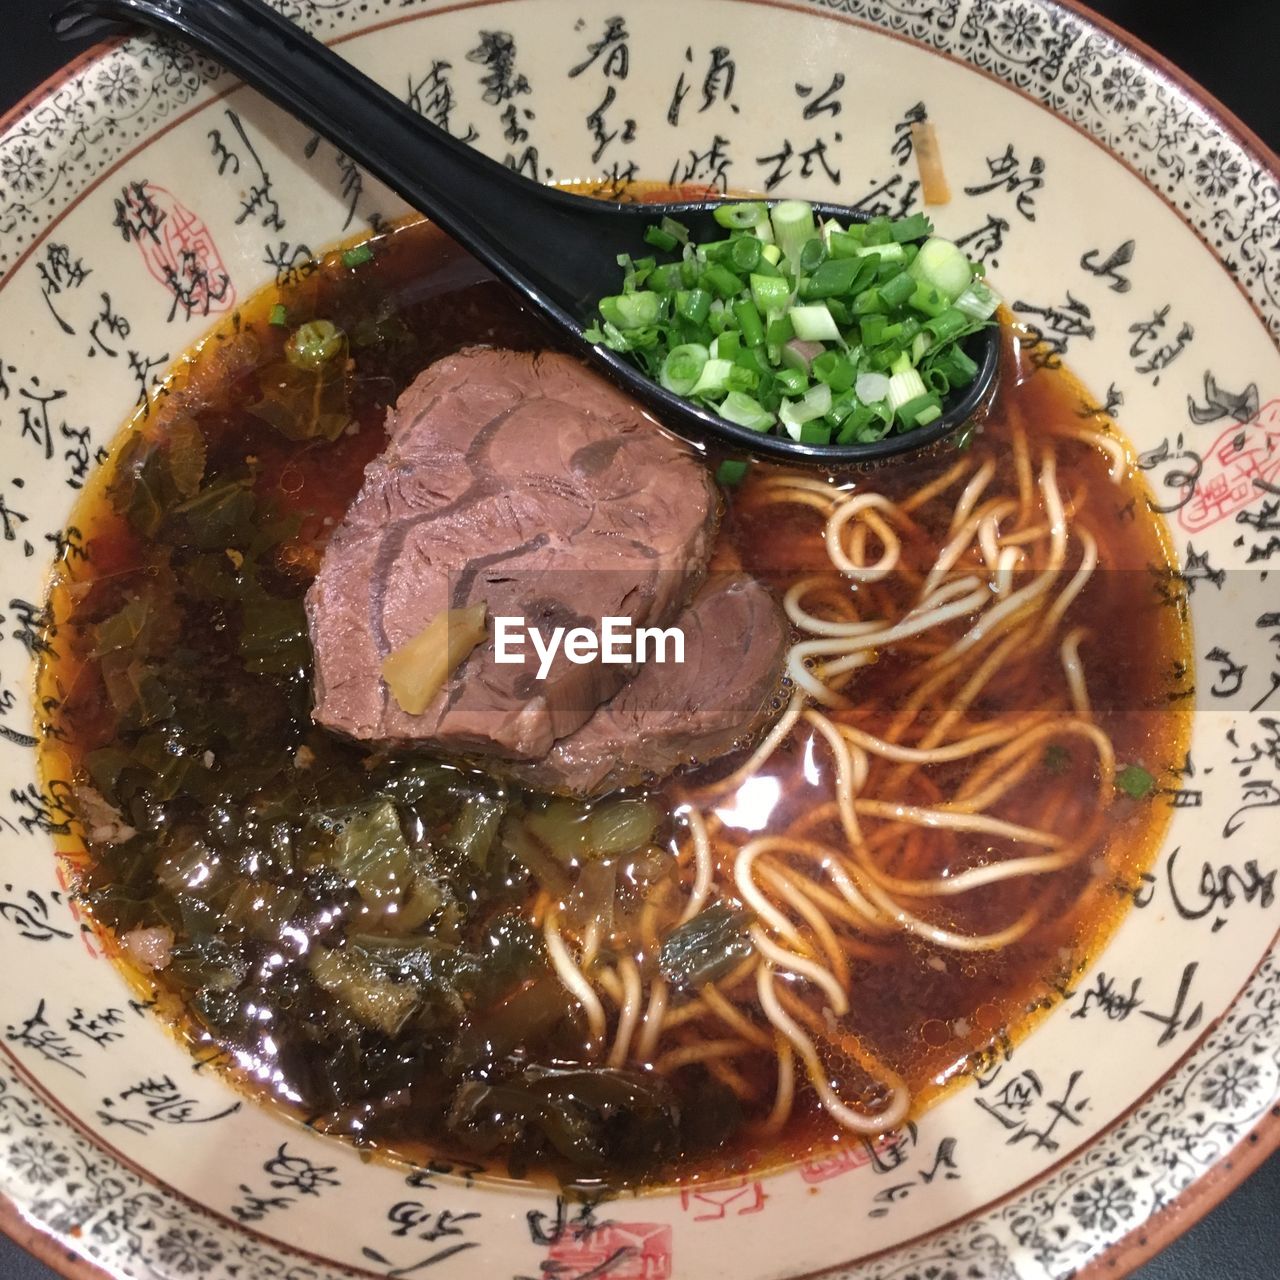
{"x":1174,"y":1218}
{"x":1203,"y":1195}
{"x":46,"y":1246}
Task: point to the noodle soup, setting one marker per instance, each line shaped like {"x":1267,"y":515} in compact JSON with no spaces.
{"x":797,"y":945}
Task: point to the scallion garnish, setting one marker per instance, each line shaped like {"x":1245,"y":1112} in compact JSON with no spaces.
{"x":1134,"y":781}
{"x":358,"y":256}
{"x":279,"y":317}
{"x":825,"y":333}
{"x":731,"y":472}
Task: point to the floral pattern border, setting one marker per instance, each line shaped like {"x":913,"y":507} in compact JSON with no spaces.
{"x":1192,"y":1121}
{"x":63,"y":144}
{"x":113,"y":1216}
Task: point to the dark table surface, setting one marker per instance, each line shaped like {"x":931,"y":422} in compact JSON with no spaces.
{"x":1224,"y":45}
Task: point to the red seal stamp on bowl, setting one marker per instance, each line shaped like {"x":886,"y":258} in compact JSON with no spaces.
{"x":1244,"y":458}
{"x":614,"y":1251}
{"x":177,"y":248}
{"x":729,"y":1199}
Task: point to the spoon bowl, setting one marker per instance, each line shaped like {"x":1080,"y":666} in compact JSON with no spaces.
{"x":559,"y":250}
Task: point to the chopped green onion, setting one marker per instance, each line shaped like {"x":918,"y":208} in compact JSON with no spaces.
{"x":725,"y":347}
{"x":950,"y":324}
{"x":740,"y":217}
{"x":314,"y":344}
{"x":872,"y":387}
{"x":791,"y":381}
{"x":868,"y":302}
{"x":279,"y":315}
{"x":675,"y":229}
{"x":920,"y":411}
{"x":714,"y":377}
{"x":814,"y":323}
{"x":937,"y":381}
{"x":928,"y":300}
{"x":631,"y":310}
{"x":958,"y":368}
{"x":897,"y":290}
{"x":358,"y":256}
{"x":815,"y":403}
{"x":683,"y":367}
{"x":820,"y":332}
{"x":832,"y":278}
{"x":865,"y":423}
{"x":840,"y":313}
{"x":812,"y":256}
{"x":721,"y":281}
{"x":978,"y":301}
{"x":666,"y":278}
{"x":844,"y":244}
{"x":904,"y":387}
{"x":769,"y":292}
{"x":943,"y":266}
{"x":884,"y":253}
{"x":745,"y":411}
{"x":798,"y":355}
{"x":731,"y":472}
{"x":874,"y":329}
{"x":715,"y":250}
{"x":878,"y":231}
{"x":836,"y":370}
{"x":659,"y":238}
{"x":1135,"y":781}
{"x":745,"y":253}
{"x":818,"y":400}
{"x":751,"y":325}
{"x":916,"y":227}
{"x":779,"y":332}
{"x":693,"y":305}
{"x":635,"y":273}
{"x":793,"y":226}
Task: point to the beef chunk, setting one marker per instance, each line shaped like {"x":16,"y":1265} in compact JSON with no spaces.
{"x":530,"y":484}
{"x":674,"y":714}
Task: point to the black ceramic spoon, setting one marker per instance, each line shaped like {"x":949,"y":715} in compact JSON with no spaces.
{"x":559,"y":250}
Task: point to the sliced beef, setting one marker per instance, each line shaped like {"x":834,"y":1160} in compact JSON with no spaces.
{"x":531,"y":485}
{"x":674,"y":714}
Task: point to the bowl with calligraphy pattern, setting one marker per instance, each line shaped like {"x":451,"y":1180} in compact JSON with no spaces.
{"x":1123,"y":215}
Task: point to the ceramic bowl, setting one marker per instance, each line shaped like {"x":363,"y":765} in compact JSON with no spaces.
{"x":145,"y":192}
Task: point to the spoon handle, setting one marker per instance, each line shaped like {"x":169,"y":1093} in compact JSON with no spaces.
{"x":510,"y":223}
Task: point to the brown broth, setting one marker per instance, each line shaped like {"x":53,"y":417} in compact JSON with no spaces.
{"x":932,"y":1016}
{"x":1137,"y":644}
